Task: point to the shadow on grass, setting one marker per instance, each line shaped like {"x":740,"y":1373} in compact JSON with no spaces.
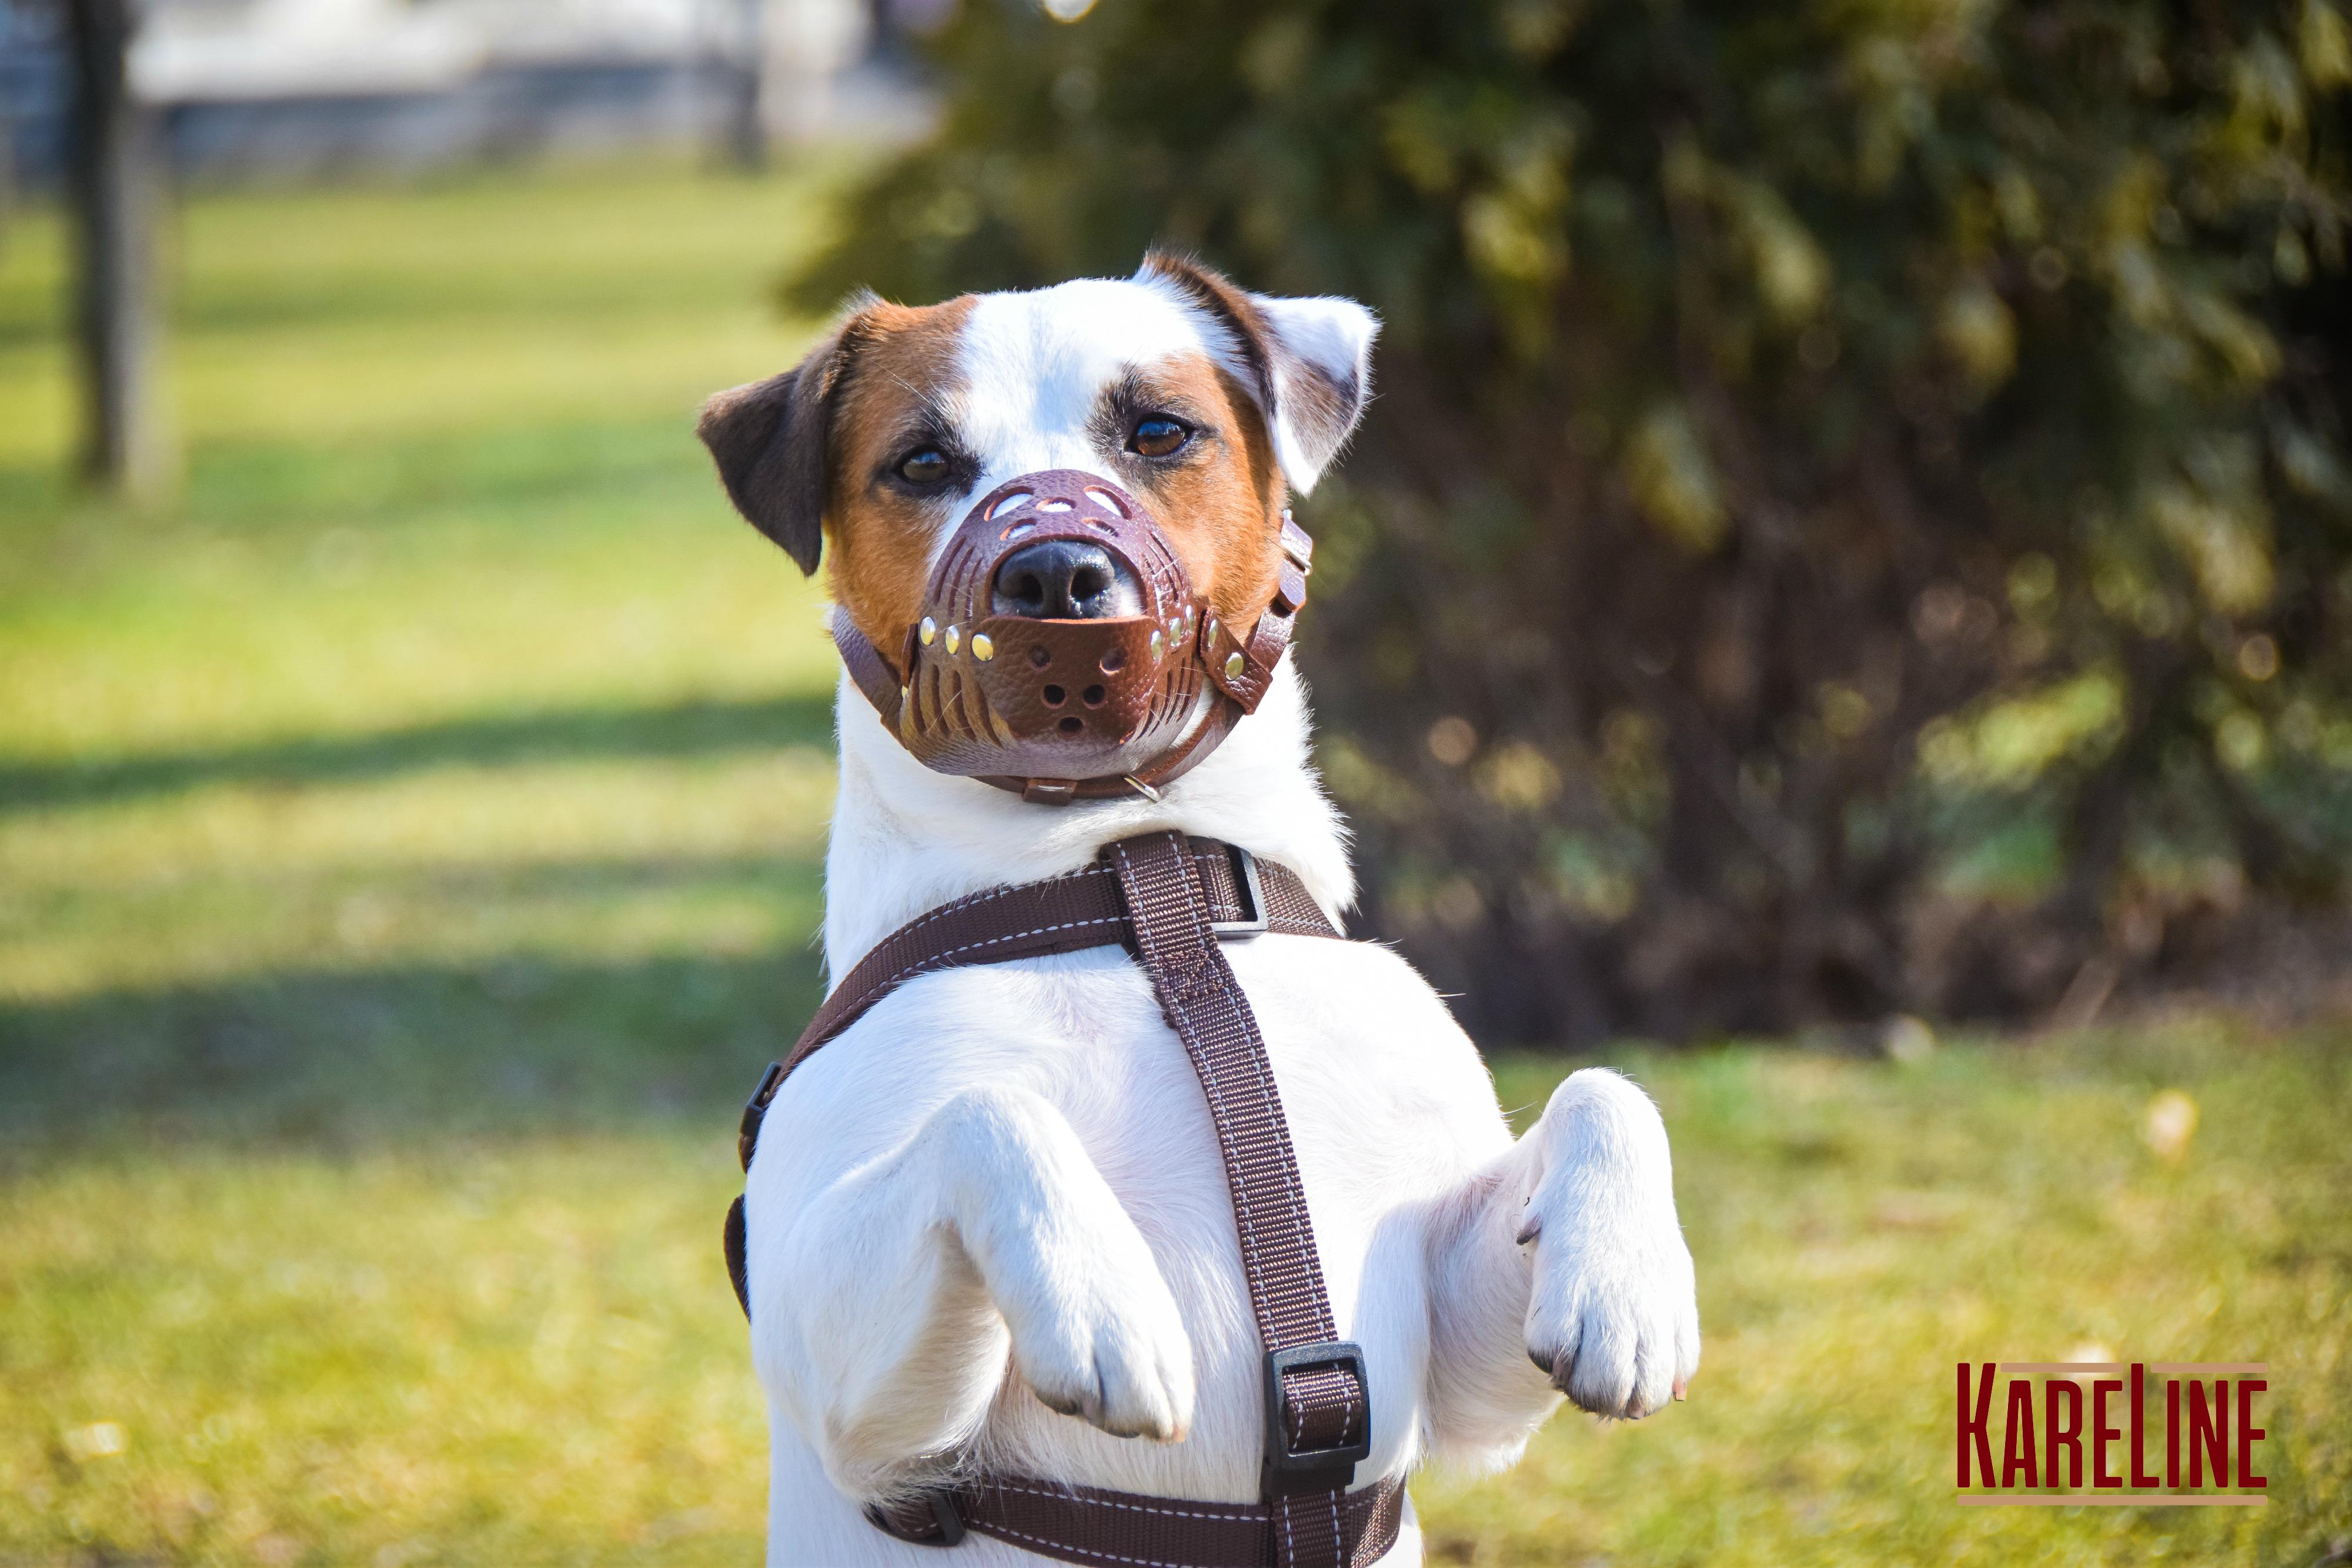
{"x":356,"y":1058}
{"x":708,"y":727}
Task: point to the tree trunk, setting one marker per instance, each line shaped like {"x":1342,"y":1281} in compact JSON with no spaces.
{"x":114,"y":182}
{"x":743,"y":138}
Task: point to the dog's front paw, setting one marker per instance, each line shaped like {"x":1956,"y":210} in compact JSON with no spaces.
{"x":1096,"y":1334}
{"x":1613,"y":1312}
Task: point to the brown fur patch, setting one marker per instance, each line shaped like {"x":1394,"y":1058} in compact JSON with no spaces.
{"x":1220,"y":510}
{"x":1321,"y":406}
{"x":902,"y":361}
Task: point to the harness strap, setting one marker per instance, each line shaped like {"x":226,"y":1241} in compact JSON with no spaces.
{"x":1061,"y":914}
{"x":1122,"y":1529}
{"x":1171,"y":901}
{"x":1318,"y":1416}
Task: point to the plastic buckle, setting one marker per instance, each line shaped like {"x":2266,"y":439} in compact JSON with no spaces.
{"x":755,"y":1111}
{"x":1253,"y":892}
{"x":1286,"y":1473}
{"x":943,"y":1515}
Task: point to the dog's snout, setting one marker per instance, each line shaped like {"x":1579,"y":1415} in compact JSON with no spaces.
{"x":1065,"y":580}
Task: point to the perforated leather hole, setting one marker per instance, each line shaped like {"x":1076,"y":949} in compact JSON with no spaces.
{"x":1054,"y":696}
{"x":1092,"y":696}
{"x":1014,"y":530}
{"x":1072,"y":725}
{"x":1101,"y":526}
{"x":1112,"y":659}
{"x":1006,"y":504}
{"x":1106,"y":501}
{"x":1038,"y":657}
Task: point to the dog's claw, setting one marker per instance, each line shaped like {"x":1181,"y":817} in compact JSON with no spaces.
{"x":1681,"y":1389}
{"x":1531,"y":1229}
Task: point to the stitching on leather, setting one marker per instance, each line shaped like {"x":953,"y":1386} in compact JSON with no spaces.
{"x":928,"y":964}
{"x":931,"y":961}
{"x":867,"y":997}
{"x":1059,"y":1496}
{"x":1060,"y":1546}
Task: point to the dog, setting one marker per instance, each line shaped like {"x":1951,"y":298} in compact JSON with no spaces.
{"x":988,"y":1226}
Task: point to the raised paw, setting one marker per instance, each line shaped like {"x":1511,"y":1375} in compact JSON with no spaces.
{"x":1094,"y":1330}
{"x":1110,"y":1351}
{"x":1613,"y":1308}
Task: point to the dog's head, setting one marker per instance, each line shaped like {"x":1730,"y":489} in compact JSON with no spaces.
{"x":1091,"y":478}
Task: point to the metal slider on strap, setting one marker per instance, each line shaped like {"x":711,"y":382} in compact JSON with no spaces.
{"x":1287,"y":1471}
{"x":1253,"y":892}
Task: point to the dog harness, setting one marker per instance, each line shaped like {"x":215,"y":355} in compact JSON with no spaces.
{"x":1080,"y":709}
{"x":1171,"y":902}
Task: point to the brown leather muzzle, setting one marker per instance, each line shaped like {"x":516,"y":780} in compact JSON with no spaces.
{"x":1057,"y":708}
{"x":995,"y":694}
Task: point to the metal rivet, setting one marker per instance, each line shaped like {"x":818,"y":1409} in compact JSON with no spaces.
{"x":1212,"y":633}
{"x":982,"y":648}
{"x":1159,"y":643}
{"x":955,"y":638}
{"x":1233,"y":662}
{"x":927,"y":631}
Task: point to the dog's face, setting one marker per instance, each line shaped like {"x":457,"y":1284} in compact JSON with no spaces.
{"x":1206,"y":403}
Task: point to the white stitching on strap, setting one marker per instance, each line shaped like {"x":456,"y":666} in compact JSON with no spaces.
{"x":1061,"y":1546}
{"x":930,"y":963}
{"x":1238,"y":1519}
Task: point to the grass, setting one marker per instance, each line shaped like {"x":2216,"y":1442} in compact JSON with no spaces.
{"x":408,"y":850}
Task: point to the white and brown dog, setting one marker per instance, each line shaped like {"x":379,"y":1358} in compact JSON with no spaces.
{"x":999,"y":1196}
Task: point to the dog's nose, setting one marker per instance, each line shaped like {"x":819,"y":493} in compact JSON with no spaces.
{"x":1064,"y":580}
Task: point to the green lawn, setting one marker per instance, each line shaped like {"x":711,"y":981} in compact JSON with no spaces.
{"x":408,"y":852}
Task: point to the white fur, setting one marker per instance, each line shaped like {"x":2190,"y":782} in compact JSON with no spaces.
{"x":1000,"y":1193}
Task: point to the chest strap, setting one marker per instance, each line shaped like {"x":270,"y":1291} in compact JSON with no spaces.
{"x":1170,"y":901}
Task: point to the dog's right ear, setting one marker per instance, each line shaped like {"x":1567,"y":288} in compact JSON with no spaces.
{"x":768,"y":441}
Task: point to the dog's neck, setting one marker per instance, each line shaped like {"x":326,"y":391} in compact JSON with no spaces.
{"x":906,"y":839}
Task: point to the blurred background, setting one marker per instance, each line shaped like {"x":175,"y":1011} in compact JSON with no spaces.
{"x":1840,"y":609}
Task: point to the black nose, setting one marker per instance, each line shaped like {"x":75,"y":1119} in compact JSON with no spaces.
{"x":1064,"y":580}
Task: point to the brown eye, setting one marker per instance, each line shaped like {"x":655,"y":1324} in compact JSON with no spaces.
{"x":1157,"y":437}
{"x":924,"y":465}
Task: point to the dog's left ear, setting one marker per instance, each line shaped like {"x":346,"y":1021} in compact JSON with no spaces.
{"x":769,"y":440}
{"x":1309,"y":362}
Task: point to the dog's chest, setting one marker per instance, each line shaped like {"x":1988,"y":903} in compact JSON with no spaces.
{"x":1387,"y":1110}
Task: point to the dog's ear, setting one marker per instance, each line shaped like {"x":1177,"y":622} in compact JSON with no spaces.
{"x":1309,"y":362}
{"x":768,"y":441}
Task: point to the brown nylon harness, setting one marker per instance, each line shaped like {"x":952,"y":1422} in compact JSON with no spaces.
{"x":1170,"y":901}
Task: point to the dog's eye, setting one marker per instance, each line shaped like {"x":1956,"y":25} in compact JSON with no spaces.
{"x":924,"y":465}
{"x":1158,"y":436}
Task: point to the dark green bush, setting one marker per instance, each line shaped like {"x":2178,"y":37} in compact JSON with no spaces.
{"x":1858,"y":518}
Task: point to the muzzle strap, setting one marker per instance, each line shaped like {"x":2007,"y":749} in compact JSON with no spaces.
{"x":868,"y":667}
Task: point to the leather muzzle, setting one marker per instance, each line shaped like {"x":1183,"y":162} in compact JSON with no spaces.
{"x":1058,"y":708}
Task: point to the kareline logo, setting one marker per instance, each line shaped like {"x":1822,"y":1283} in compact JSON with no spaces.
{"x":2204,"y":1424}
